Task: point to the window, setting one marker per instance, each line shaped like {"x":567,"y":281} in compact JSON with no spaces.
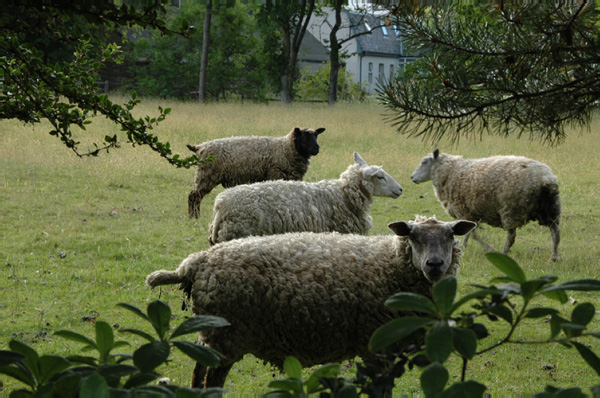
{"x":381,"y":72}
{"x":371,"y":72}
{"x":384,"y":29}
{"x":391,"y":71}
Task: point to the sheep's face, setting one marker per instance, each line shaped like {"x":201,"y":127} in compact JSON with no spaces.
{"x":305,"y":141}
{"x":423,"y":172}
{"x":381,"y":182}
{"x":432,"y":243}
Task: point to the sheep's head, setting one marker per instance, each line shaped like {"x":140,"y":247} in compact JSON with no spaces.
{"x":305,"y":141}
{"x":432,"y":243}
{"x":381,"y":183}
{"x":423,"y":171}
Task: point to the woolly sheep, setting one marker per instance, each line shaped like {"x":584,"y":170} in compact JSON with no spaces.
{"x":502,"y":191}
{"x":316,"y":296}
{"x":275,"y":207}
{"x":242,"y":160}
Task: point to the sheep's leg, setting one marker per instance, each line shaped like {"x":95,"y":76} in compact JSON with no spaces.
{"x":199,"y":375}
{"x":207,"y":377}
{"x":194,"y":200}
{"x":555,"y":231}
{"x":510,"y":239}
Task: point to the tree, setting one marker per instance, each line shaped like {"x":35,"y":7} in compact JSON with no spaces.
{"x":291,"y":19}
{"x":205,"y":48}
{"x":505,"y":68}
{"x":37,"y":85}
{"x":336,"y":43}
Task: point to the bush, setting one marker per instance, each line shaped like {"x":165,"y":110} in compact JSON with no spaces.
{"x":314,"y":86}
{"x":446,"y":326}
{"x":107,"y":374}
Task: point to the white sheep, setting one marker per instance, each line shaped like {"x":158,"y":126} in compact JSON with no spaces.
{"x":275,"y":207}
{"x":243,"y":160}
{"x":502,"y":191}
{"x":316,"y":296}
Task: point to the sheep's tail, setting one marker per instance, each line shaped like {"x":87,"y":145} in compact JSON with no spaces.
{"x":191,"y":147}
{"x":159,"y":278}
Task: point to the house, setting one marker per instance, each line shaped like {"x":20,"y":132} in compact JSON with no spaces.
{"x":374,"y":52}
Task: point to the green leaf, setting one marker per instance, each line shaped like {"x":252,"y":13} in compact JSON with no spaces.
{"x":507,"y":265}
{"x":444,"y":292}
{"x":159,"y":314}
{"x":439,"y":342}
{"x":503,"y":312}
{"x":292,"y":368}
{"x":556,"y":322}
{"x":32,"y":357}
{"x":24,"y":375}
{"x":198,"y":323}
{"x":151,"y":355}
{"x":105,"y":339}
{"x":287,"y":385}
{"x":140,"y":379}
{"x":50,"y":365}
{"x":326,"y":371}
{"x":589,"y":356}
{"x":94,"y":386}
{"x":582,"y":285}
{"x":411,"y":302}
{"x":199,"y":353}
{"x":531,"y":287}
{"x":118,"y":370}
{"x":540,"y":312}
{"x":396,"y":330}
{"x":135,"y":310}
{"x":583,"y":314}
{"x":557,"y":295}
{"x":8,"y":357}
{"x":434,"y":379}
{"x":473,"y":295}
{"x":467,"y":389}
{"x":348,"y":391}
{"x":465,"y":342}
{"x":140,"y":333}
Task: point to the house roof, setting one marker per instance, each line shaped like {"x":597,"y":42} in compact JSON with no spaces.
{"x":376,"y":42}
{"x":312,"y":50}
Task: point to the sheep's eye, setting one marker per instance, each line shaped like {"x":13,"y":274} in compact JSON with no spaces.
{"x":381,"y":177}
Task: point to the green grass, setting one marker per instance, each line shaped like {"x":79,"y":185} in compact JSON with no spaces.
{"x":118,"y":217}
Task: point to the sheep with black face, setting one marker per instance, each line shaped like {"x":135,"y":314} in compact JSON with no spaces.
{"x":244,"y":160}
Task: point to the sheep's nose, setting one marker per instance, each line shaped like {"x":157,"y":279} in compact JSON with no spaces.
{"x":413,"y":179}
{"x":435,"y":262}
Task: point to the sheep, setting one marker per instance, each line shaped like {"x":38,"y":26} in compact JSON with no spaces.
{"x":316,"y":296}
{"x":242,"y":160}
{"x":275,"y":207}
{"x":502,"y":191}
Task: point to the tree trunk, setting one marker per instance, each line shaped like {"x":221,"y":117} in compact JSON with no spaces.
{"x":286,"y":69}
{"x":204,"y":57}
{"x":334,"y":54}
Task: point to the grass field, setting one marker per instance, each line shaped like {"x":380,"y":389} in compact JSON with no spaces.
{"x":79,"y":236}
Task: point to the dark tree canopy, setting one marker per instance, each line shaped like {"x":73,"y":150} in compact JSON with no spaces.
{"x":504,"y":68}
{"x":50,"y":57}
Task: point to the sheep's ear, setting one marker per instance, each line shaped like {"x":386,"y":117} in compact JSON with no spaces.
{"x":320,"y":130}
{"x":297,"y":131}
{"x":400,"y":228}
{"x":436,"y":153}
{"x":462,"y":227}
{"x":191,"y":148}
{"x":359,"y":160}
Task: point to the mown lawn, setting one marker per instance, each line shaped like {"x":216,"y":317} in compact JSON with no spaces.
{"x":80,"y":235}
